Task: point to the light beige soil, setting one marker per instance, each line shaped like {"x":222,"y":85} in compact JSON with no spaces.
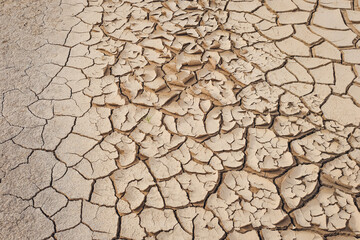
{"x":180,"y":119}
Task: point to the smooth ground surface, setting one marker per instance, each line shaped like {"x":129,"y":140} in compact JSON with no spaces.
{"x":180,"y":119}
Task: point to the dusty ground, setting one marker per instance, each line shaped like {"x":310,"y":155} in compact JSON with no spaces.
{"x":180,"y":119}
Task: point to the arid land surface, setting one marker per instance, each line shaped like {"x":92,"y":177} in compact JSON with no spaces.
{"x":180,"y":120}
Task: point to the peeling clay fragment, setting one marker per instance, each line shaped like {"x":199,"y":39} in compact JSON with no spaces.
{"x":97,"y":163}
{"x":292,"y":126}
{"x":331,"y":210}
{"x":343,"y":171}
{"x":201,"y":223}
{"x":237,"y":206}
{"x":137,"y":174}
{"x":266,"y":152}
{"x":298,"y":183}
{"x":154,"y":220}
{"x":173,"y":194}
{"x":103,"y":193}
{"x":260,"y":97}
{"x":320,"y":146}
{"x":164,"y":167}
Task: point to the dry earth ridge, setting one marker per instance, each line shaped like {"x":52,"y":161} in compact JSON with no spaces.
{"x":172,"y":120}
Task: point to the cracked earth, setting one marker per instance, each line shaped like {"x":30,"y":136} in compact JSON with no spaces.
{"x":206,"y":120}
